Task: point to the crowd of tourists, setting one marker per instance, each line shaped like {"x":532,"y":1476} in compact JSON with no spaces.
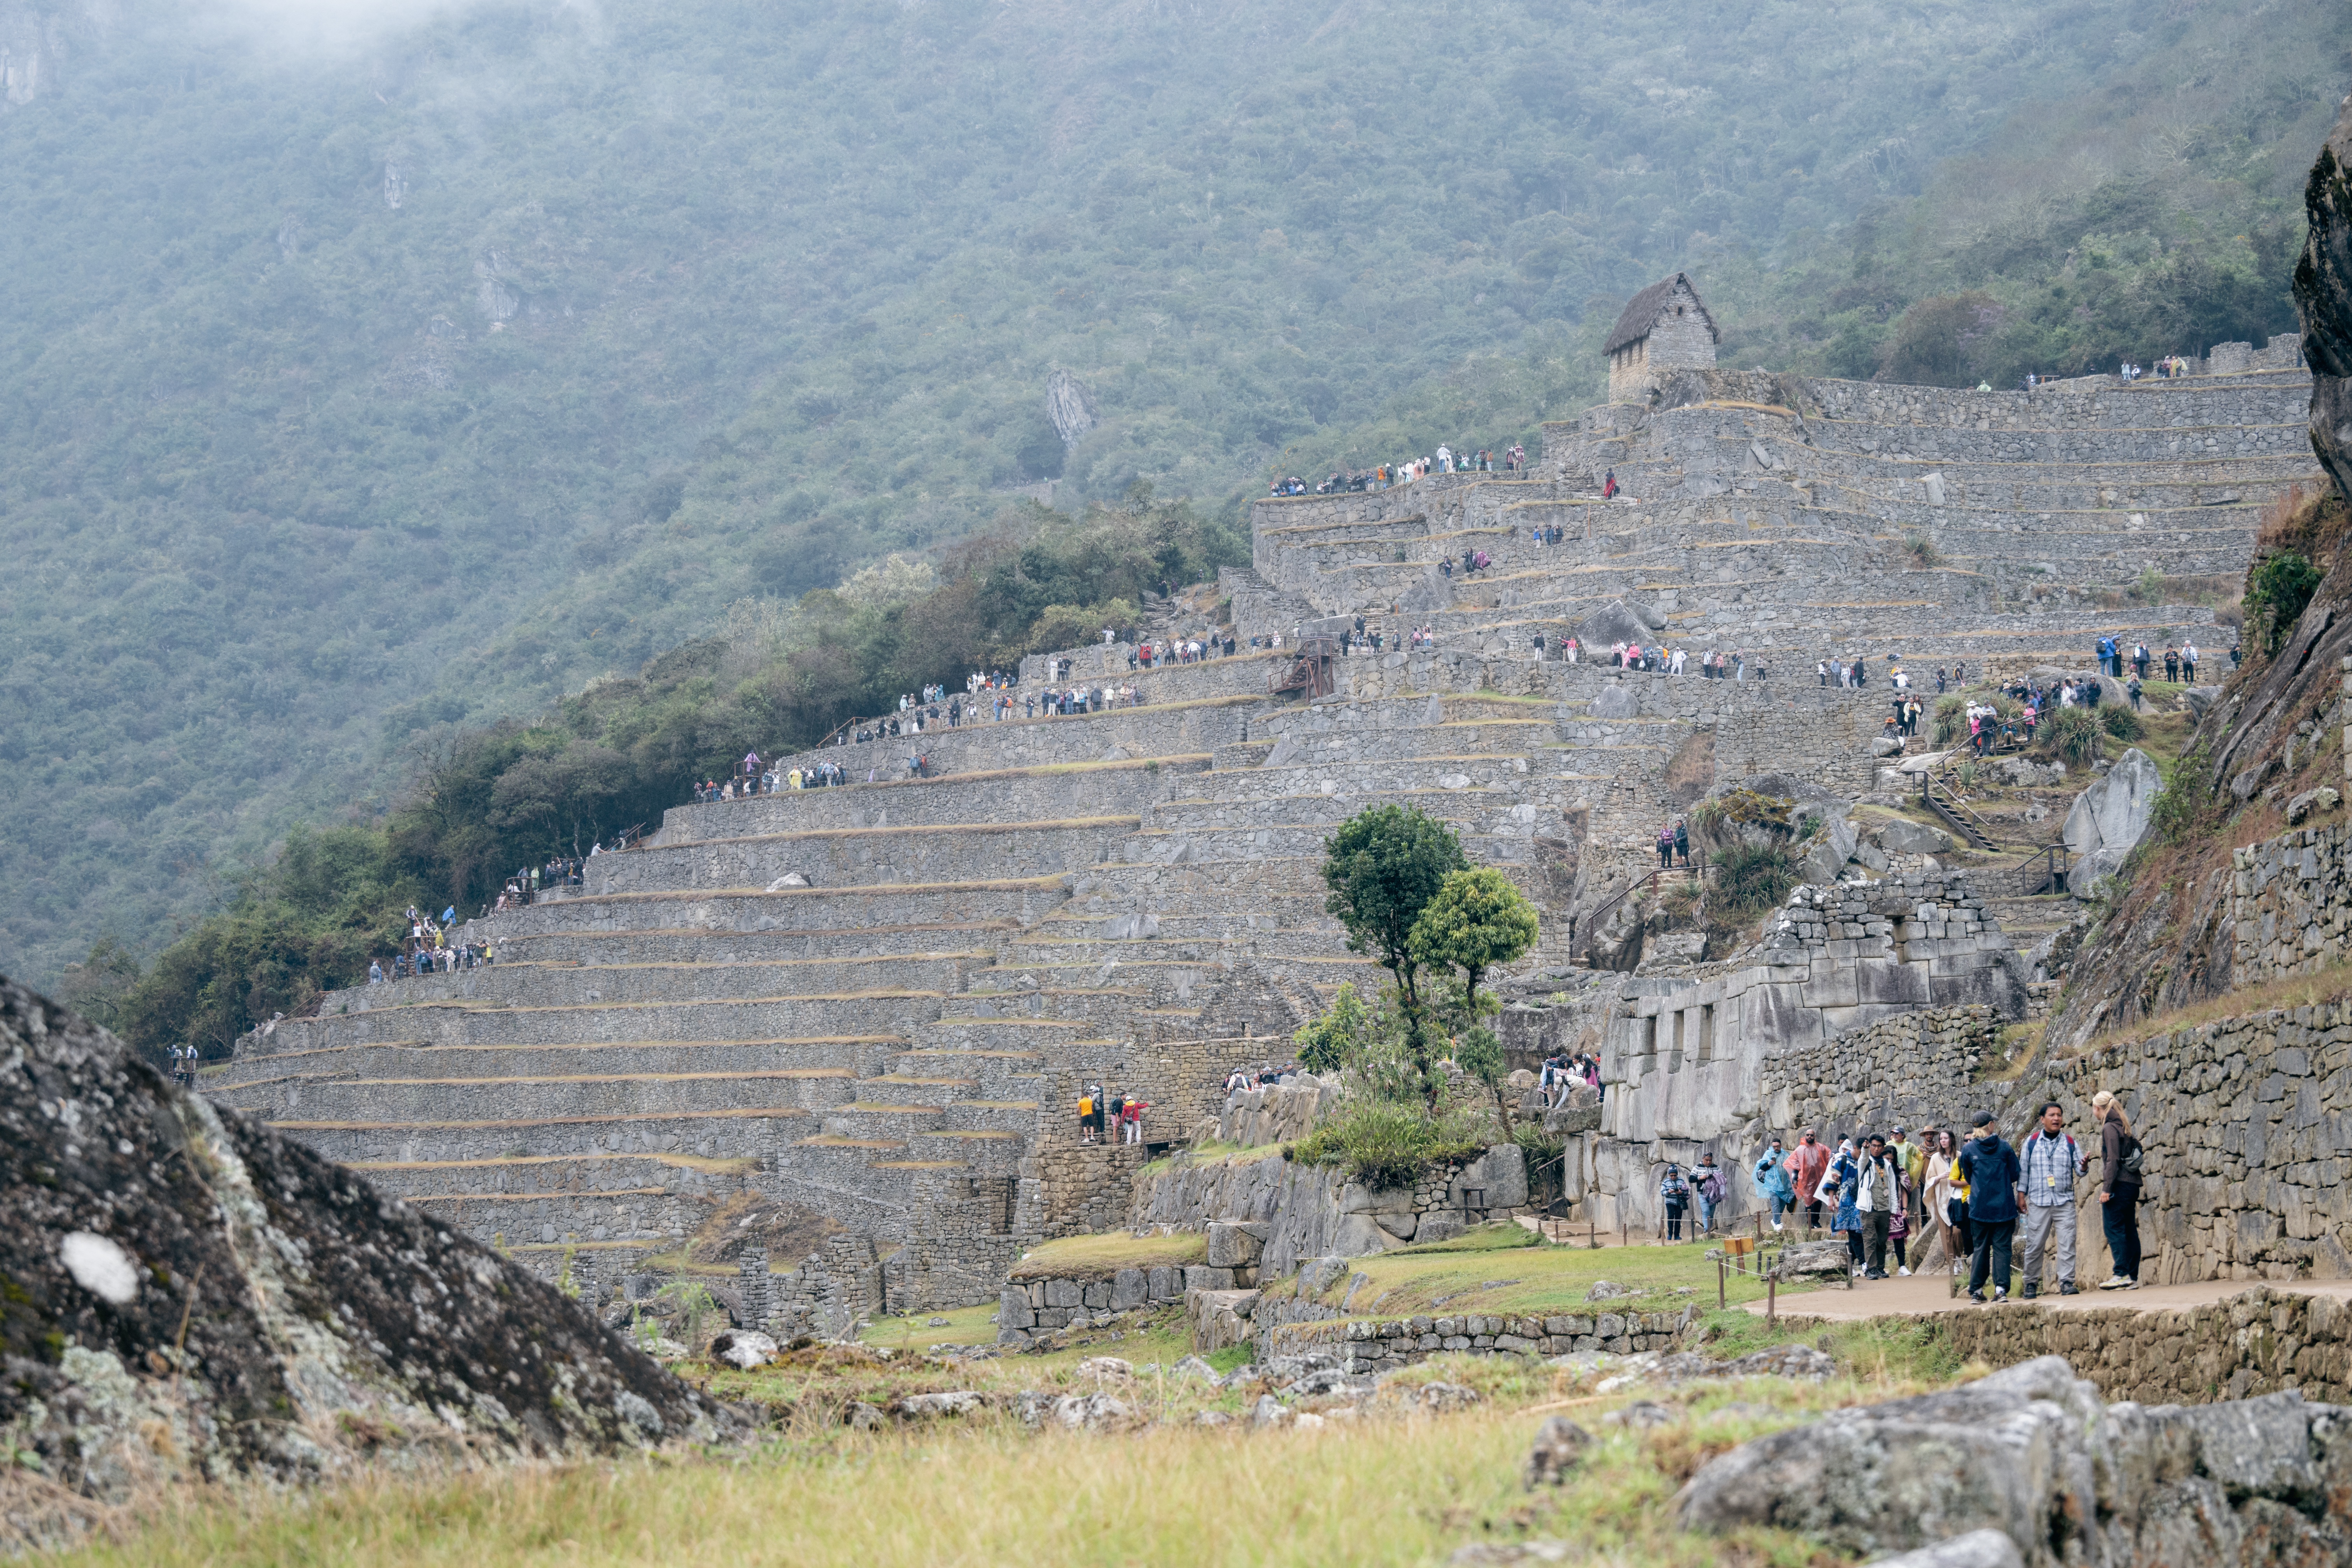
{"x":1987,"y":1200}
{"x":1381,"y":476}
{"x":1104,"y":1117}
{"x":427,"y":949}
{"x":1562,"y":1073}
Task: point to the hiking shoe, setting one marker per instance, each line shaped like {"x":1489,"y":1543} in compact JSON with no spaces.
{"x":2029,"y":1292}
{"x":2068,"y":1290}
{"x":2114,"y":1282}
{"x":2000,"y":1292}
{"x":1905,"y":1272}
{"x":1978,"y":1297}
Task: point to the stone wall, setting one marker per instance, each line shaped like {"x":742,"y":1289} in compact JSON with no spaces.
{"x":1363,"y":1345}
{"x":1027,"y":1308}
{"x":1309,"y":1211}
{"x":2291,"y":903}
{"x":1694,"y":1066}
{"x":1073,"y":1189}
{"x":2260,"y":1341}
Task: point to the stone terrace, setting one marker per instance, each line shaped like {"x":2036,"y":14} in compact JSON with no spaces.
{"x":880,"y":1003}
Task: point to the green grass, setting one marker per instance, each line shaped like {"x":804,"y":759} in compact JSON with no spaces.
{"x":1507,"y":1269}
{"x":1383,"y":1488}
{"x":1100,"y":1257}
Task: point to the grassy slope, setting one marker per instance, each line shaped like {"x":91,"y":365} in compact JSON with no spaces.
{"x":1385,"y":1487}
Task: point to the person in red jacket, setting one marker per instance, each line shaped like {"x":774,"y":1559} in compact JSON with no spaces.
{"x":1806,"y":1164}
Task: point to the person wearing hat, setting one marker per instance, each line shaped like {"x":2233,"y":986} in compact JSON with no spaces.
{"x":1992,"y":1172}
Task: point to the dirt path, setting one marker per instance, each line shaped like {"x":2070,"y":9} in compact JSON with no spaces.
{"x":1924,"y":1293}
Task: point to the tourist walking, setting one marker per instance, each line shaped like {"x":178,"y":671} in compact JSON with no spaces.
{"x":1878,"y":1195}
{"x":1990,"y":1168}
{"x":2051,"y":1163}
{"x":1845,"y":1179}
{"x":1089,"y":1113}
{"x":1674,"y":1193}
{"x":1706,"y":1186}
{"x":2119,"y":1183}
{"x":1807,"y":1163}
{"x":1913,"y":1158}
{"x":1947,"y":1194}
{"x":1771,"y":1175}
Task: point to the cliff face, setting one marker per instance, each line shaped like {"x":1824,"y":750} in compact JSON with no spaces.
{"x":2275,"y":731}
{"x":2323,"y":291}
{"x":183,"y":1293}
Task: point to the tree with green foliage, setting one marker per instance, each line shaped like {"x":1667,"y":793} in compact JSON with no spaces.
{"x":1478,"y":920}
{"x":1382,"y":867}
{"x":1334,"y":1038}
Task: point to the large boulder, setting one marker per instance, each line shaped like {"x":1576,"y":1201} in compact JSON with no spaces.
{"x":190,"y":1294}
{"x":2323,"y":293}
{"x":1619,"y":620}
{"x":2033,"y":1454}
{"x":1906,"y":837}
{"x":2109,"y":819}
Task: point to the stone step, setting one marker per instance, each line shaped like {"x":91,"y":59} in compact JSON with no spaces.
{"x":417,"y":1100}
{"x":926,"y":854}
{"x":746,"y":1018}
{"x":866,"y":1119}
{"x":715,"y":1134}
{"x":413,"y":1180}
{"x":281,"y":1071}
{"x":1168,"y":729}
{"x":942,"y":905}
{"x":654,"y":1217}
{"x":1087,"y":789}
{"x":853,"y":943}
{"x":574,"y":985}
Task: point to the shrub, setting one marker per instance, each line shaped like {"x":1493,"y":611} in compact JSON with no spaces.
{"x":1922,"y":550}
{"x":2074,"y":735}
{"x":1384,"y":1143}
{"x":1750,"y":881}
{"x":2121,"y":722}
{"x":2277,"y":591}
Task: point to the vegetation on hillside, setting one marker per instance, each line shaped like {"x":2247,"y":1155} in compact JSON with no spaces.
{"x":486,"y":804}
{"x":349,"y":400}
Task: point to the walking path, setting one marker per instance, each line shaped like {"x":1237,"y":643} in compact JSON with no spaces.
{"x":1926,"y":1293}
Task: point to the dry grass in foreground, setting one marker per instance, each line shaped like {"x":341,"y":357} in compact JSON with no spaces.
{"x":1400,"y":1489}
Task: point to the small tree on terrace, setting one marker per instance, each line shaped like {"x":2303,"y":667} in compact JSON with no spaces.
{"x":1384,"y":867}
{"x":1477,"y":920}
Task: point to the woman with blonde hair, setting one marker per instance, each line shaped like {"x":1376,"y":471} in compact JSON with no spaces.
{"x":2119,"y":1184}
{"x":1948,"y":1197}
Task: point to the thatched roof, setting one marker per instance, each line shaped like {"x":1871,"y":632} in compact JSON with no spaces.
{"x":1642,"y":310}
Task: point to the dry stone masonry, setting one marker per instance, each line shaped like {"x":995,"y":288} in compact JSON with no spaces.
{"x":875,"y":1006}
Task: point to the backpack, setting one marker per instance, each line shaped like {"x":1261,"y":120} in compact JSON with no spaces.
{"x":2135,"y":1163}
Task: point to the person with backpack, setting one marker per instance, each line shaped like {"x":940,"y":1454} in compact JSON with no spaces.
{"x":1674,"y":1193}
{"x":2121,"y":1163}
{"x":1707,"y":1187}
{"x":2051,"y":1163}
{"x":1771,"y":1175}
{"x":1878,"y":1199}
{"x":1990,"y":1168}
{"x":1089,"y":1100}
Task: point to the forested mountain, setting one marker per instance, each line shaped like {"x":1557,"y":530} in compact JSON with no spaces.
{"x":350,"y":391}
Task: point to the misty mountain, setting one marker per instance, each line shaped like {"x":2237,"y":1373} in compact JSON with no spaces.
{"x":357,"y":388}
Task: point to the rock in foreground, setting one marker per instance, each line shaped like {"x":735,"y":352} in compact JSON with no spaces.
{"x":2033,"y":1453}
{"x":188,"y":1294}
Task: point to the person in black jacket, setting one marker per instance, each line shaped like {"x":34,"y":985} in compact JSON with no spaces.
{"x":2119,"y":1184}
{"x":1993,"y":1172}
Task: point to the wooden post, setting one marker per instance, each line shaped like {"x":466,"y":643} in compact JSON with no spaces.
{"x":1771,"y":1301}
{"x":1722,"y":1296}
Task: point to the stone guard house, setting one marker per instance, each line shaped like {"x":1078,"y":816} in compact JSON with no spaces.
{"x":1666,"y":327}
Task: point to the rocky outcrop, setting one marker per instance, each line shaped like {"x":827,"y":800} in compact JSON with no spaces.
{"x":2034,"y":1453}
{"x":2109,"y":819}
{"x":2323,"y":293}
{"x":186,"y":1294}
